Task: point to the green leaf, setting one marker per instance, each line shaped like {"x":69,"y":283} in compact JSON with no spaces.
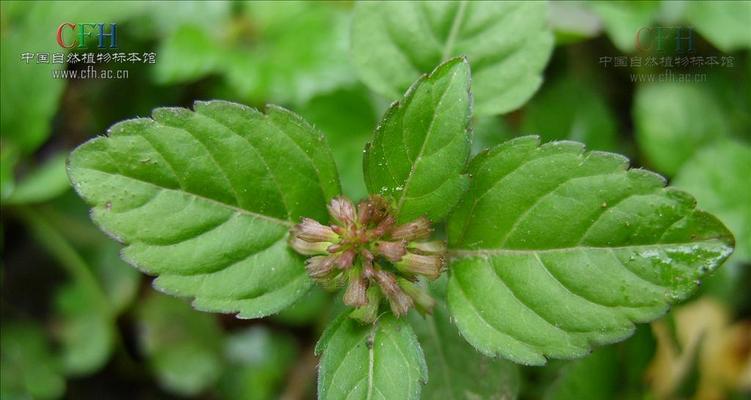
{"x":556,"y":250}
{"x":457,"y":371}
{"x":259,"y":360}
{"x":724,"y":23}
{"x":29,"y":369}
{"x":379,"y":361}
{"x":204,"y":199}
{"x":421,"y":145}
{"x":183,"y":347}
{"x":42,"y":184}
{"x":718,"y":177}
{"x":673,"y":120}
{"x":507,"y":42}
{"x":623,"y":19}
{"x":85,"y":331}
{"x":553,"y":115}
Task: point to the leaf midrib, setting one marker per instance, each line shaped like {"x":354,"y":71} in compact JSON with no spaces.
{"x":466,"y":253}
{"x":198,"y":196}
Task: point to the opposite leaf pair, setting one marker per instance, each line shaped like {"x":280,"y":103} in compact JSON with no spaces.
{"x":552,"y":250}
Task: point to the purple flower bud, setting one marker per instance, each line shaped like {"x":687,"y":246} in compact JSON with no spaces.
{"x":372,"y":210}
{"x":419,"y":264}
{"x":423,"y":302}
{"x":319,"y":266}
{"x":417,"y":229}
{"x":308,"y":248}
{"x":355,"y":295}
{"x":436,"y":247}
{"x":345,"y":259}
{"x":383,"y":227}
{"x":342,"y":210}
{"x":312,"y":231}
{"x":393,"y":251}
{"x":399,"y":301}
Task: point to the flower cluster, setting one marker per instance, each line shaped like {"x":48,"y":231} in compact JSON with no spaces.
{"x":374,"y":257}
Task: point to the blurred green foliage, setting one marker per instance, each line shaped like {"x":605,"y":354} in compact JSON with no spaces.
{"x":77,"y":322}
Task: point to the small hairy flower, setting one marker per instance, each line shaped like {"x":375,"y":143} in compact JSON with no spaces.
{"x":312,"y":231}
{"x":433,"y":247}
{"x":399,"y":301}
{"x":355,"y":294}
{"x":308,"y":248}
{"x":418,"y":264}
{"x":417,"y":229}
{"x":393,"y":251}
{"x":342,"y":210}
{"x":375,"y":259}
{"x":319,"y":266}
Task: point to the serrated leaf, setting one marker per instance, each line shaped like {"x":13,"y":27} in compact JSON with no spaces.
{"x":718,"y":176}
{"x":557,"y":250}
{"x":457,"y":371}
{"x":673,"y":120}
{"x":507,"y":42}
{"x":204,"y":199}
{"x":183,"y":347}
{"x":422,"y":144}
{"x":379,"y":361}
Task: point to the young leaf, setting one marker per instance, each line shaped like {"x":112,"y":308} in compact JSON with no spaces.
{"x":378,"y":361}
{"x":557,"y":250}
{"x":183,"y":347}
{"x":422,"y":144}
{"x":718,"y":177}
{"x":457,"y":371}
{"x":205,"y":199}
{"x":507,"y":42}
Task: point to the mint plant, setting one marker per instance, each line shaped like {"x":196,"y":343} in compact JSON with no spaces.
{"x":549,"y":250}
